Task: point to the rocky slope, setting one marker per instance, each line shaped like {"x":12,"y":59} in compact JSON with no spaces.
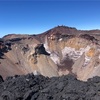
{"x":30,"y":87}
{"x":58,"y":51}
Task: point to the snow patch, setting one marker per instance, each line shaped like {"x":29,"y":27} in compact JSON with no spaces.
{"x":99,"y":56}
{"x":36,"y":72}
{"x":60,"y":39}
{"x":71,"y":52}
{"x":87,"y":60}
{"x":55,"y":58}
{"x":46,"y":46}
{"x":75,"y":54}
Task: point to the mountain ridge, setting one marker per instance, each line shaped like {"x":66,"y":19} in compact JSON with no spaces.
{"x":71,"y":51}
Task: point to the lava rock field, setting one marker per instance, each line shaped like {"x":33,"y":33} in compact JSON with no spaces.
{"x":31,"y":87}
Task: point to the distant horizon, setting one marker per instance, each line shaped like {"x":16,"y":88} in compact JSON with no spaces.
{"x":47,"y":30}
{"x":44,"y":30}
{"x":35,"y":17}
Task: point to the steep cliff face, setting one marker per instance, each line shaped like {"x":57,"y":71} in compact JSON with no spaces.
{"x":26,"y":56}
{"x":59,"y":51}
{"x":76,"y":54}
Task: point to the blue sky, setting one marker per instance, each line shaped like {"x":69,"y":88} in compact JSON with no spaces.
{"x":32,"y":17}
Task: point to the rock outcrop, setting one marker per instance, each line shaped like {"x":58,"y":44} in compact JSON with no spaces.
{"x":30,"y":87}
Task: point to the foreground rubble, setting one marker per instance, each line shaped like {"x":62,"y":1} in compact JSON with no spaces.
{"x":30,"y":87}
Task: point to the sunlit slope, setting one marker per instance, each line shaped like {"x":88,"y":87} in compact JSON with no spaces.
{"x":56,"y":52}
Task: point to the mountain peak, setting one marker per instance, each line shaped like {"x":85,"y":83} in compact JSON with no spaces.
{"x":62,"y":30}
{"x":67,"y":27}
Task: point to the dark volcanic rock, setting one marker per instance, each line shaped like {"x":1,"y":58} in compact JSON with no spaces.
{"x":39,"y":49}
{"x":4,"y":47}
{"x":30,"y":87}
{"x":1,"y":79}
{"x":89,"y":37}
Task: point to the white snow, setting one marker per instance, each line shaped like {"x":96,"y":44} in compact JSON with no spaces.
{"x":99,"y":56}
{"x":75,"y":54}
{"x":46,"y":45}
{"x":87,"y":60}
{"x":36,"y":72}
{"x":60,"y":39}
{"x":55,"y":58}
